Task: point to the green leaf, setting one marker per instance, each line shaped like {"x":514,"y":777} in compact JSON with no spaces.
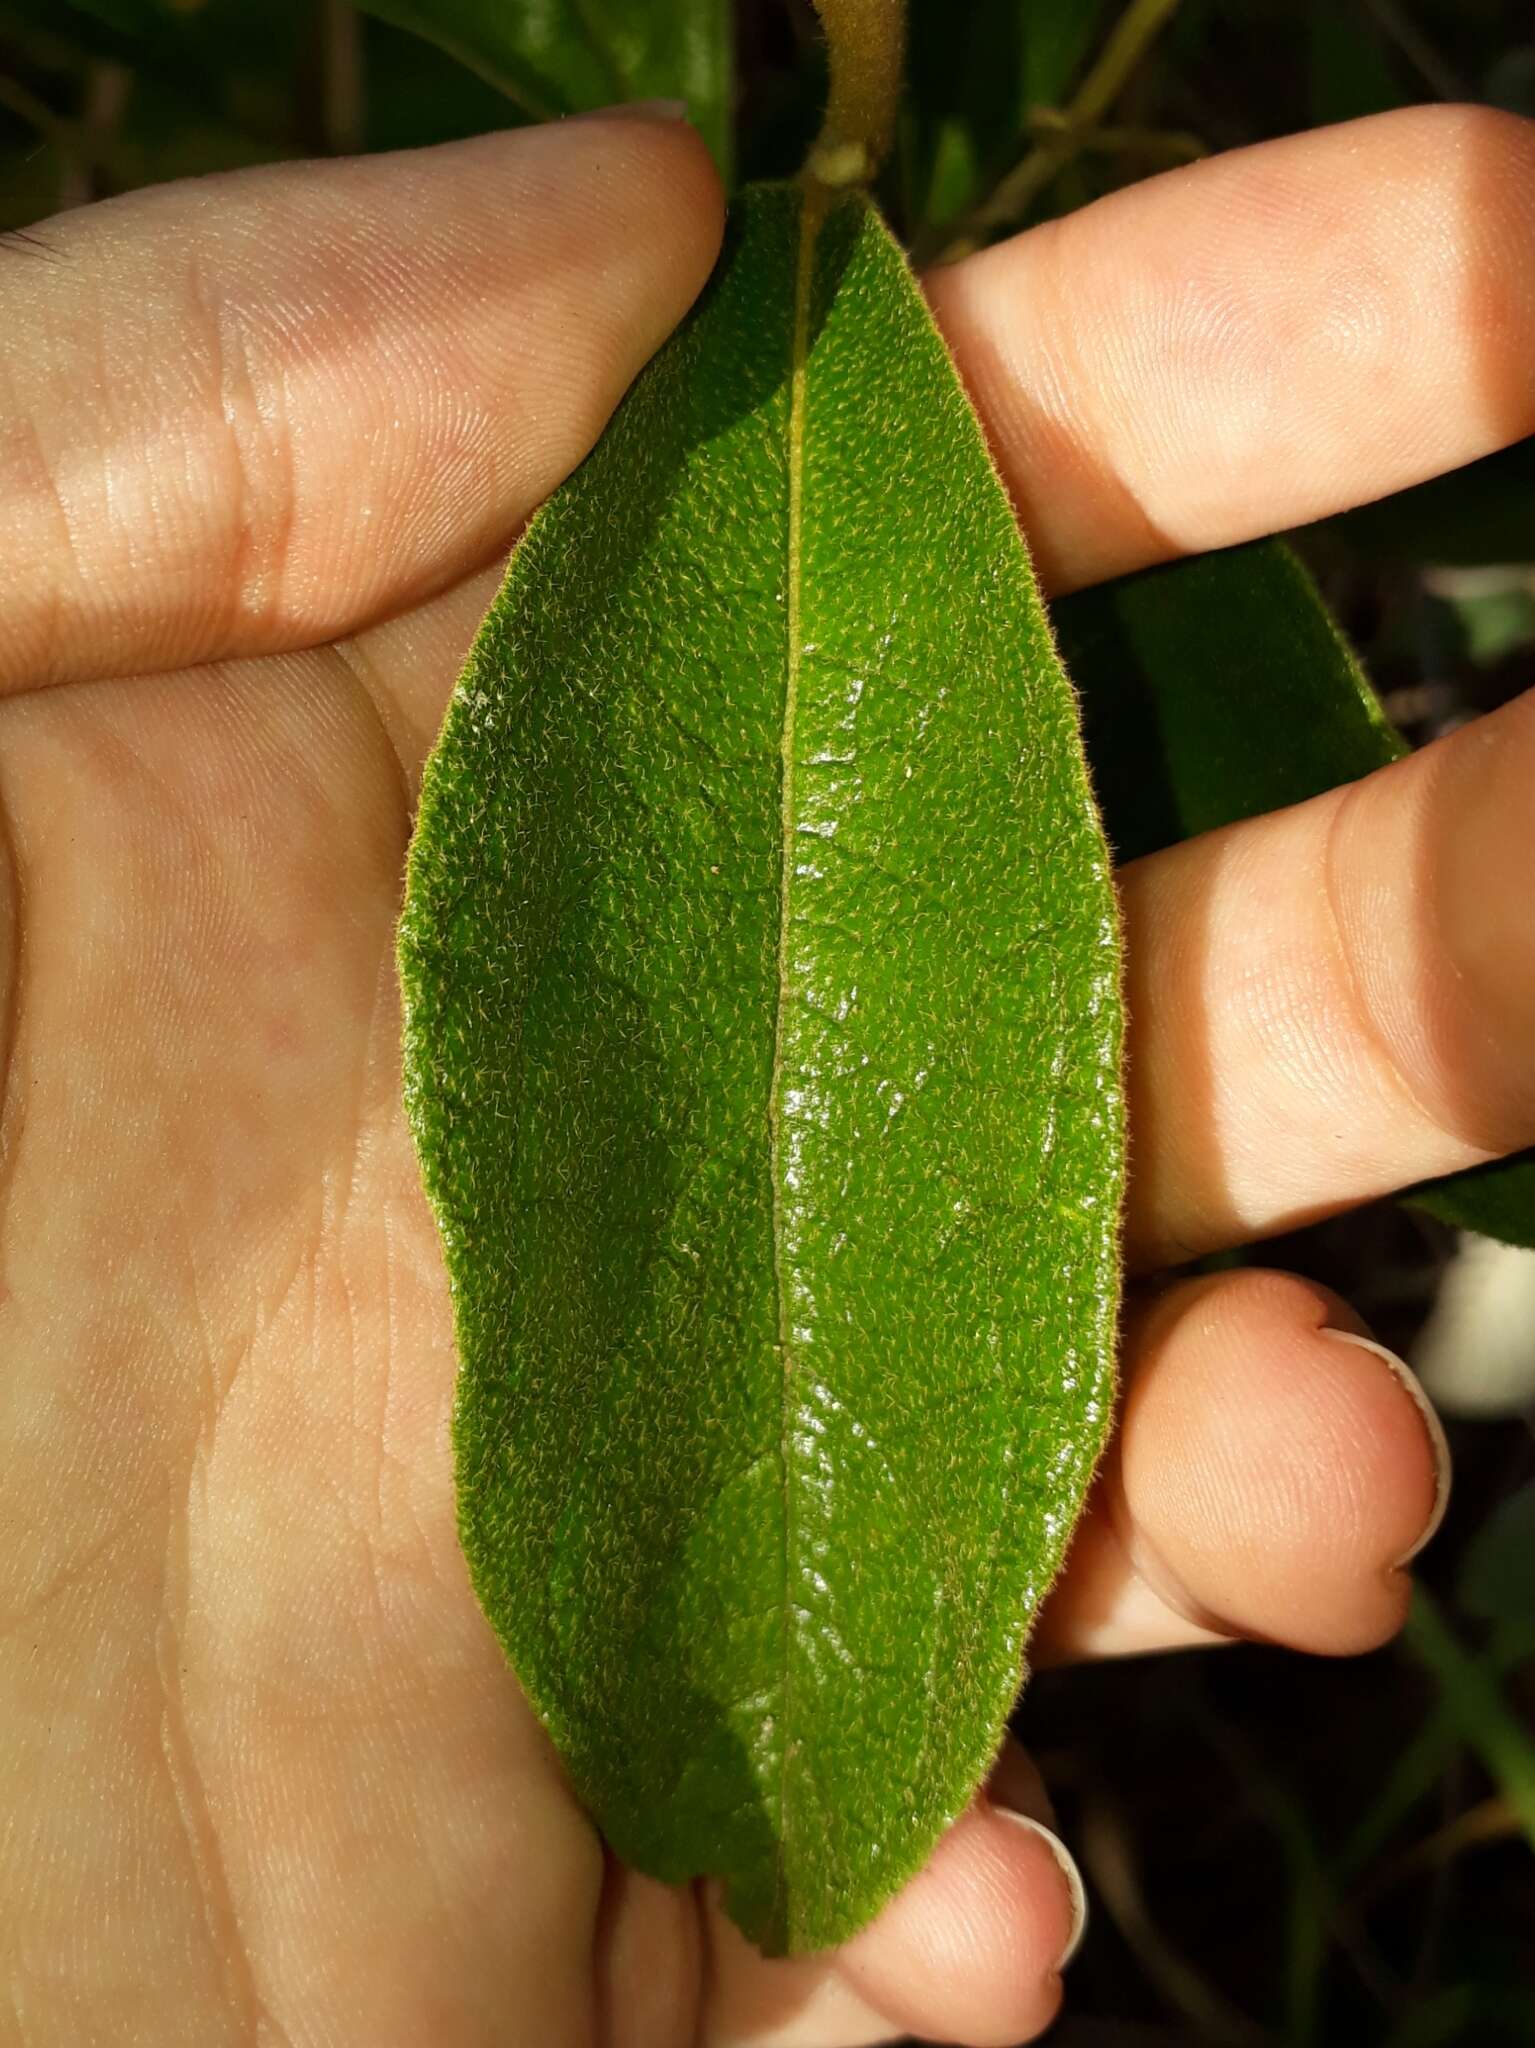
{"x":1215,"y":689}
{"x":569,"y":56}
{"x":1485,"y":1721}
{"x":1496,"y":1200}
{"x":1219,"y":688}
{"x":417,"y":95}
{"x":762,"y":1051}
{"x":1493,"y":610}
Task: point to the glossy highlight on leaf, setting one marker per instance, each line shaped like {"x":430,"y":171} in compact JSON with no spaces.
{"x":762,"y":1042}
{"x":1219,"y":688}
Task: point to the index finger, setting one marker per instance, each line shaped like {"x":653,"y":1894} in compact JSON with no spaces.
{"x":1257,"y":340}
{"x":252,"y":412}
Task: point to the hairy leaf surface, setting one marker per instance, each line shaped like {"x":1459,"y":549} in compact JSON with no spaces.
{"x":1219,"y":688}
{"x":762,"y":1044}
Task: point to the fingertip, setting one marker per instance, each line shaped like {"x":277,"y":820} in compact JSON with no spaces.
{"x":1418,"y":1529}
{"x":973,"y":1949}
{"x":1076,"y":1890}
{"x":1256,"y":340}
{"x":1273,"y":1478}
{"x":648,"y":153}
{"x":584,"y":243}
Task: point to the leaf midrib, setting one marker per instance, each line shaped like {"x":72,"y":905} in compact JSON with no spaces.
{"x":811,"y":213}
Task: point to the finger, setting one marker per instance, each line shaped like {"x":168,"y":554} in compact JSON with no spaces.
{"x":970,"y":1952}
{"x":1219,"y":352}
{"x":1254,"y":341}
{"x":1336,"y":1000}
{"x":255,"y":411}
{"x":648,"y":1960}
{"x":408,"y":665}
{"x":1273,"y":1472}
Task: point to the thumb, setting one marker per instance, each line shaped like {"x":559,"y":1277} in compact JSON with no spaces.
{"x":253,"y":412}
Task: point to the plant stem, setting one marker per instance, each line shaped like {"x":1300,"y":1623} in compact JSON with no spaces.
{"x":865,"y":46}
{"x":103,"y":100}
{"x":1163,"y":145}
{"x":1011,"y":199}
{"x":341,"y":78}
{"x":1491,"y":1820}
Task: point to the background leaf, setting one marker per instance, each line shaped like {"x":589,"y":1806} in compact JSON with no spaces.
{"x":1219,"y":688}
{"x":1476,"y":1703}
{"x":569,"y":56}
{"x":976,"y":76}
{"x":1350,"y":70}
{"x":1215,"y":689}
{"x":762,"y":1052}
{"x":1496,"y":1200}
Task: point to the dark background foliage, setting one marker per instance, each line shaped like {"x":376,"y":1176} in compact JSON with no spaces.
{"x":1281,"y":1851}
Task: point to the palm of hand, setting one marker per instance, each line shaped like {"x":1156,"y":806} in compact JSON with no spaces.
{"x":245,"y":1406}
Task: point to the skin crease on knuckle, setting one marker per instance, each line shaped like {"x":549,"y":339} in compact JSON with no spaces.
{"x":342,"y":330}
{"x":543,"y":1849}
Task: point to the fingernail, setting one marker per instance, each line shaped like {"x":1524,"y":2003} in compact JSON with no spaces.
{"x":636,"y":110}
{"x":1076,"y":1890}
{"x":1437,"y":1441}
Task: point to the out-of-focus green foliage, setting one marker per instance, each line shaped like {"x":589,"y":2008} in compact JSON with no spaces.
{"x":553,"y":59}
{"x":977,"y":77}
{"x":1497,"y":1579}
{"x":100,"y":95}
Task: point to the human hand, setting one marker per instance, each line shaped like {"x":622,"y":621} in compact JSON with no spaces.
{"x":265,"y":1773}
